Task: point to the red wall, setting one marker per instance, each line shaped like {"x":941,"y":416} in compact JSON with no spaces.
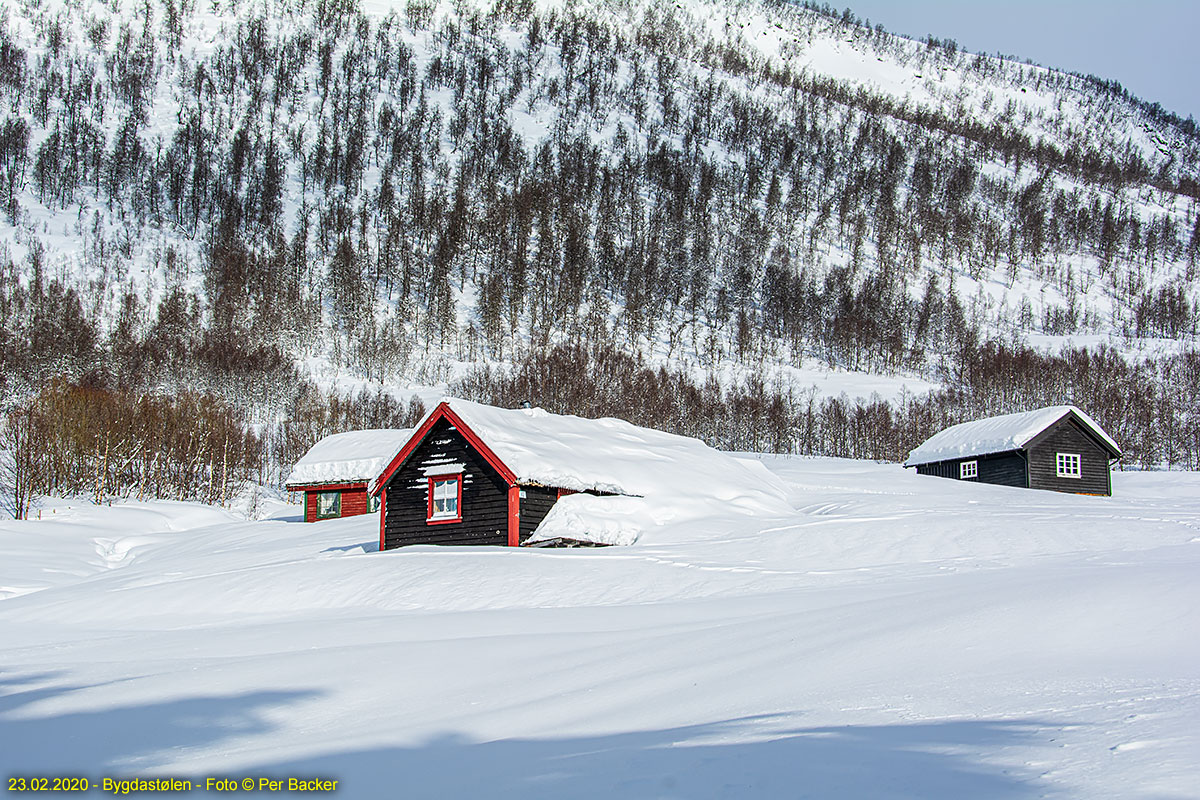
{"x":354,"y":500}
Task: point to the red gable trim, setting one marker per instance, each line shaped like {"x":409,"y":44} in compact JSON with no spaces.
{"x":443,"y":411}
{"x":514,"y":516}
{"x":382,"y":522}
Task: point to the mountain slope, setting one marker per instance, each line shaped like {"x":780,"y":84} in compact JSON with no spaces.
{"x":211,"y":194}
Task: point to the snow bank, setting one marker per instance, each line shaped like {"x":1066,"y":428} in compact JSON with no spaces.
{"x":348,"y":457}
{"x":589,"y":518}
{"x":997,"y":434}
{"x":892,"y":638}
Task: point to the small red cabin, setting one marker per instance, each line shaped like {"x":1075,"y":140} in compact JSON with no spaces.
{"x":335,"y":472}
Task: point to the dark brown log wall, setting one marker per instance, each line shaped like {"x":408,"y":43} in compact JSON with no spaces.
{"x":484,"y":496}
{"x":535,"y":505}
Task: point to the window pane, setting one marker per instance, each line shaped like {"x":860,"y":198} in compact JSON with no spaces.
{"x":328,"y":504}
{"x":444,"y":497}
{"x":1068,"y":465}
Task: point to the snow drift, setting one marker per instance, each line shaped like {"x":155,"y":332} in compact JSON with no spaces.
{"x":896,"y":636}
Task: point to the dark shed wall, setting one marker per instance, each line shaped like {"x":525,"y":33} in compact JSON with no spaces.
{"x":535,"y":505}
{"x":939,"y":469}
{"x":1005,"y":469}
{"x":484,"y":496}
{"x":1068,"y":437}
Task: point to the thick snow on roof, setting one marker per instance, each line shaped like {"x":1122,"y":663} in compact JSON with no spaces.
{"x":997,"y":435}
{"x":664,"y":477}
{"x":348,"y":457}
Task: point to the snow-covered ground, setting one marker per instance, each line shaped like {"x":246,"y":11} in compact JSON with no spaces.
{"x":891,"y":636}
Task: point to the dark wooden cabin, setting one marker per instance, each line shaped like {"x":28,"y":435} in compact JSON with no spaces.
{"x":335,"y":472}
{"x":1059,"y":448}
{"x":448,"y":486}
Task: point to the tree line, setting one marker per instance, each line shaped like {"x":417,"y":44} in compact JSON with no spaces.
{"x":104,"y":443}
{"x":1150,"y":407}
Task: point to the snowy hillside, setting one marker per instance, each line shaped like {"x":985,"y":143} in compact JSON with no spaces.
{"x":761,"y":204}
{"x":892,"y":636}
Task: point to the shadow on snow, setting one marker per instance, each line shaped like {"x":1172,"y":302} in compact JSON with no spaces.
{"x":750,"y":757}
{"x":854,"y":761}
{"x":99,"y":742}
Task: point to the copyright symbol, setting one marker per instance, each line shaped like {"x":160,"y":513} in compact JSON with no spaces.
{"x":247,"y":783}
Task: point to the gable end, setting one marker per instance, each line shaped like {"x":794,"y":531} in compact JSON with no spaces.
{"x":482,"y":495}
{"x":1081,"y":429}
{"x":443,"y":411}
{"x":1070,"y":437}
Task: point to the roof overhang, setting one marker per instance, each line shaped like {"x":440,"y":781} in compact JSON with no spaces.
{"x":1085,"y":423}
{"x":963,"y":457}
{"x":327,"y":486}
{"x":1089,"y":427}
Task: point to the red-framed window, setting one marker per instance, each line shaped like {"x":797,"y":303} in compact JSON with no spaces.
{"x":445,"y":499}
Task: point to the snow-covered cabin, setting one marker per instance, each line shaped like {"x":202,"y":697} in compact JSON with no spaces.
{"x":1059,"y":448}
{"x":477,"y":474}
{"x":335,"y":472}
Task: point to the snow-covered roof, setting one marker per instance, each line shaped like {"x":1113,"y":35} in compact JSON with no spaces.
{"x":663,"y":477}
{"x":999,"y":434}
{"x":348,"y":457}
{"x":569,"y":452}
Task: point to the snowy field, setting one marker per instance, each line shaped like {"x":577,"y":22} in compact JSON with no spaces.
{"x":892,"y":636}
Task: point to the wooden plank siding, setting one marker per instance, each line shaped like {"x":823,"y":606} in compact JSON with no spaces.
{"x":354,"y":501}
{"x":939,"y":469}
{"x":1068,"y":436}
{"x":484,"y":507}
{"x":535,"y":505}
{"x":1005,"y":469}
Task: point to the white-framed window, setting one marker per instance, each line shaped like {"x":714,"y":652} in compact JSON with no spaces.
{"x":329,"y":505}
{"x":445,"y":498}
{"x":968,"y":469}
{"x":1068,"y":465}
